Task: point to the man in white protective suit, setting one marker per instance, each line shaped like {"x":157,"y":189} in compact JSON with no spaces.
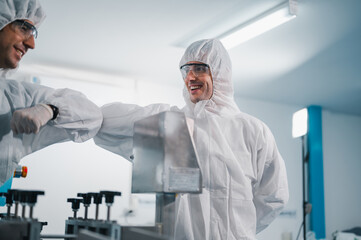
{"x":33,"y":116}
{"x":244,"y":175}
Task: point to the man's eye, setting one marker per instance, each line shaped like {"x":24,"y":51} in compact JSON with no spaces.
{"x":199,"y":69}
{"x":25,"y":28}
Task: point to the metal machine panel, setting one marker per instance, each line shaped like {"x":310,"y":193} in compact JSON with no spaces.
{"x":104,"y":228}
{"x":165,"y":159}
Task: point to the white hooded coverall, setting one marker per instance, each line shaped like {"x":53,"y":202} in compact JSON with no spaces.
{"x":244,"y":175}
{"x":78,"y":120}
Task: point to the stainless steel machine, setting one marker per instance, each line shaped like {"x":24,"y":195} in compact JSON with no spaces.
{"x":165,"y":162}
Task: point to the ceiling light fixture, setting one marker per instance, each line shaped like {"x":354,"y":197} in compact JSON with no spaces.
{"x":258,"y":25}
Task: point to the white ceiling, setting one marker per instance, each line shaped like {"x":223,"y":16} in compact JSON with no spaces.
{"x":314,"y":59}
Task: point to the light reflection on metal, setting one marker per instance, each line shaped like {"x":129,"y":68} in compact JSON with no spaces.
{"x":165,"y":159}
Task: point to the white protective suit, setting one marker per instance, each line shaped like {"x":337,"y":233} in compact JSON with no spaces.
{"x":78,"y":119}
{"x":244,"y":176}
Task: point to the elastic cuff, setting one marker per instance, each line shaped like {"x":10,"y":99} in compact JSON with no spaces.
{"x":47,"y":107}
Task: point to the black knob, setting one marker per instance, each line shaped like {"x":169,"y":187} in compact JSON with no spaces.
{"x":42,"y":224}
{"x":87,"y":198}
{"x":33,"y":196}
{"x":23,"y":196}
{"x":97,"y":198}
{"x":75,"y":203}
{"x":27,"y":196}
{"x":109,"y":195}
{"x":15,"y":193}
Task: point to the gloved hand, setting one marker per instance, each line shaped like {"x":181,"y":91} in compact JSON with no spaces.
{"x":29,"y":120}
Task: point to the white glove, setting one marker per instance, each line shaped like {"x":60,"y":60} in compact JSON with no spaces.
{"x":29,"y":120}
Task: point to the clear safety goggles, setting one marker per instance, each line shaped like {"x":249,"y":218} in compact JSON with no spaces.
{"x":25,"y":29}
{"x":198,"y":69}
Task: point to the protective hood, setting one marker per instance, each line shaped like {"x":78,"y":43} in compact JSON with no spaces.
{"x":213,"y":53}
{"x":11,"y":10}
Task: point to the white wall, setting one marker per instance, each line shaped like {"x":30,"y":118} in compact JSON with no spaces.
{"x":342,"y":170}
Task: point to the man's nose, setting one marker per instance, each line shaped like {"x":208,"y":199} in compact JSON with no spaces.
{"x":30,"y":42}
{"x":190,"y":75}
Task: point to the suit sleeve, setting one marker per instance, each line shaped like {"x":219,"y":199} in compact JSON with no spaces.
{"x":116,"y":133}
{"x":271,"y":190}
{"x":78,"y":120}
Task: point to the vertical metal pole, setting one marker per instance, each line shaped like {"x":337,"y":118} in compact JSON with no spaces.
{"x":96,"y":211}
{"x":31,"y":212}
{"x":159,"y":212}
{"x":23,"y":211}
{"x":108,"y":212}
{"x":9,"y":210}
{"x":86,"y":212}
{"x":16,"y":208}
{"x":304,"y":187}
{"x":165,"y":208}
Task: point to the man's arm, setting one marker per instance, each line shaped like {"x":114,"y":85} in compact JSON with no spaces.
{"x":271,"y":190}
{"x":78,"y":119}
{"x":116,"y":133}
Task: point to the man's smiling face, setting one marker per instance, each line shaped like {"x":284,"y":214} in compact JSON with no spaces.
{"x":13,"y":46}
{"x":198,"y":81}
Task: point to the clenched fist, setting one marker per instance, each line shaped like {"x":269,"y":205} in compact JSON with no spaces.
{"x":30,"y":120}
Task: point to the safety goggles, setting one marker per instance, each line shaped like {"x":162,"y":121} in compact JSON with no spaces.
{"x":25,"y":29}
{"x":198,"y":69}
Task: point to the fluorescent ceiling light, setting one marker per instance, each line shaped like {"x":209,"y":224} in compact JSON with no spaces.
{"x":257,"y":26}
{"x":300,"y":123}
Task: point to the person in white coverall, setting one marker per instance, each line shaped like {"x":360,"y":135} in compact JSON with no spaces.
{"x":33,"y":116}
{"x":244,"y":175}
